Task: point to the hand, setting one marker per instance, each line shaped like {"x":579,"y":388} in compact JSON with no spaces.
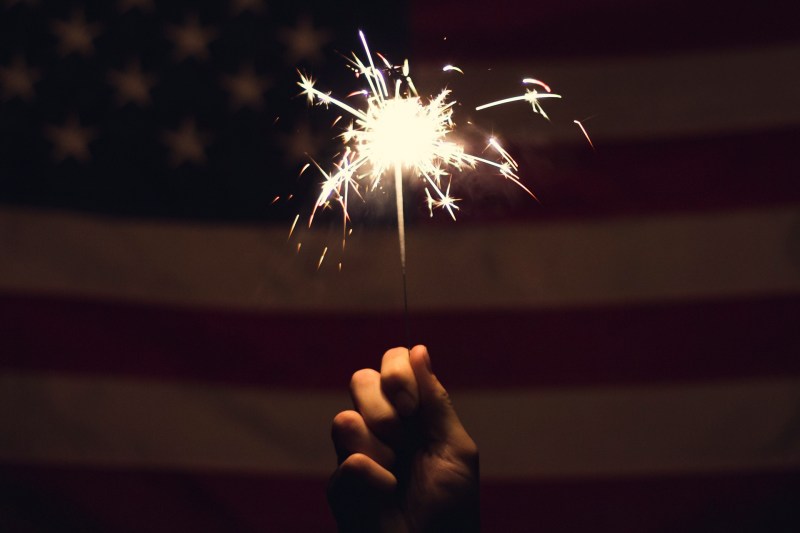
{"x":406,"y":463}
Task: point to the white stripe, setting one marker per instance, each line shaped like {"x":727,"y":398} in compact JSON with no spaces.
{"x":499,"y":266}
{"x":576,"y":432}
{"x":646,"y":97}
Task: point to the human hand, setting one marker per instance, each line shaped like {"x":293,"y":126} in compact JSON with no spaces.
{"x":406,"y":464}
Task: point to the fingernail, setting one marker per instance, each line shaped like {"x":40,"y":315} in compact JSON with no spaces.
{"x":405,"y":403}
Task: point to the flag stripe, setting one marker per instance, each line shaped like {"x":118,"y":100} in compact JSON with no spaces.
{"x":58,"y":498}
{"x":672,"y":176}
{"x":749,"y":503}
{"x":734,"y":171}
{"x":726,"y":426}
{"x":509,"y":29}
{"x":500,"y":266}
{"x":61,"y":498}
{"x":727,"y":91}
{"x":684,"y":341}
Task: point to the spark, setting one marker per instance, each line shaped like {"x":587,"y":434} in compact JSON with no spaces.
{"x":585,"y":134}
{"x":448,"y":203}
{"x":395,"y":132}
{"x":532,"y":96}
{"x":534,"y":81}
{"x":296,"y":218}
{"x":322,"y":257}
{"x":448,"y":68}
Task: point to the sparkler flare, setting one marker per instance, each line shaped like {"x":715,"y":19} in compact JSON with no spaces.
{"x":396,"y":131}
{"x":585,"y":133}
{"x":532,"y":96}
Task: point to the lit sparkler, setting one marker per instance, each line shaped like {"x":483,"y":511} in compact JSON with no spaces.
{"x":396,"y":131}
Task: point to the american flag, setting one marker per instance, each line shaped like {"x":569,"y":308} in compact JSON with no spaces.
{"x":625,"y":352}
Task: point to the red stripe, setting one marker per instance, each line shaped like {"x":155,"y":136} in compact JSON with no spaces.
{"x":682,"y":341}
{"x":756,"y":503}
{"x":71,"y":499}
{"x":640,"y":178}
{"x":453,"y":29}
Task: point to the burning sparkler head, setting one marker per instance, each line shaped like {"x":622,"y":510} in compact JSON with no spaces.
{"x":396,"y":131}
{"x":404,"y":132}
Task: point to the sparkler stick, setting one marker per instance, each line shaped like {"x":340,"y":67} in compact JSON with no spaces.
{"x":401,"y":236}
{"x":398,"y":130}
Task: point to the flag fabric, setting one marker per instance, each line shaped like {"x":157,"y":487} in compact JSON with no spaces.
{"x":624,"y":351}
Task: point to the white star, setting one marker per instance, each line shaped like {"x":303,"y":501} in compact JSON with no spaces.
{"x":132,"y":85}
{"x":240,"y":6}
{"x":187,"y":144}
{"x":191,"y":39}
{"x":145,"y":6}
{"x":75,"y":35}
{"x":70,"y":140}
{"x":304,"y":41}
{"x":246,"y":88}
{"x":18,"y":80}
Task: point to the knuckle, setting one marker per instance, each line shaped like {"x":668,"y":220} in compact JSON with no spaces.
{"x":357,"y":464}
{"x":362,"y":377}
{"x":396,"y":371}
{"x":346,"y":422}
{"x":394,"y":353}
{"x":445,"y":399}
{"x":392,"y":379}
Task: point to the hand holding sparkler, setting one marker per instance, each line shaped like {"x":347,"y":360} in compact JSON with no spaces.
{"x":406,"y":463}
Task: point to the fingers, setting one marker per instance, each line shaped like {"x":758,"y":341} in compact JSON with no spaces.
{"x":369,"y":400}
{"x":362,"y":472}
{"x":436,"y":410}
{"x":358,"y":491}
{"x":406,"y":385}
{"x":398,"y":381}
{"x":351,"y":436}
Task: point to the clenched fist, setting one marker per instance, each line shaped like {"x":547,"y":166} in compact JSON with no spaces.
{"x":406,"y":464}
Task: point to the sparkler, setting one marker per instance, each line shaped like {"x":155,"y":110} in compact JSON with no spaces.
{"x":395,"y":131}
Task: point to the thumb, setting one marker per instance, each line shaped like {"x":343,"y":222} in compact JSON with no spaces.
{"x":438,"y":416}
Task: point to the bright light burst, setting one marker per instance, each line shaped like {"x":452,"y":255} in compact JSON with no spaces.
{"x":395,"y":130}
